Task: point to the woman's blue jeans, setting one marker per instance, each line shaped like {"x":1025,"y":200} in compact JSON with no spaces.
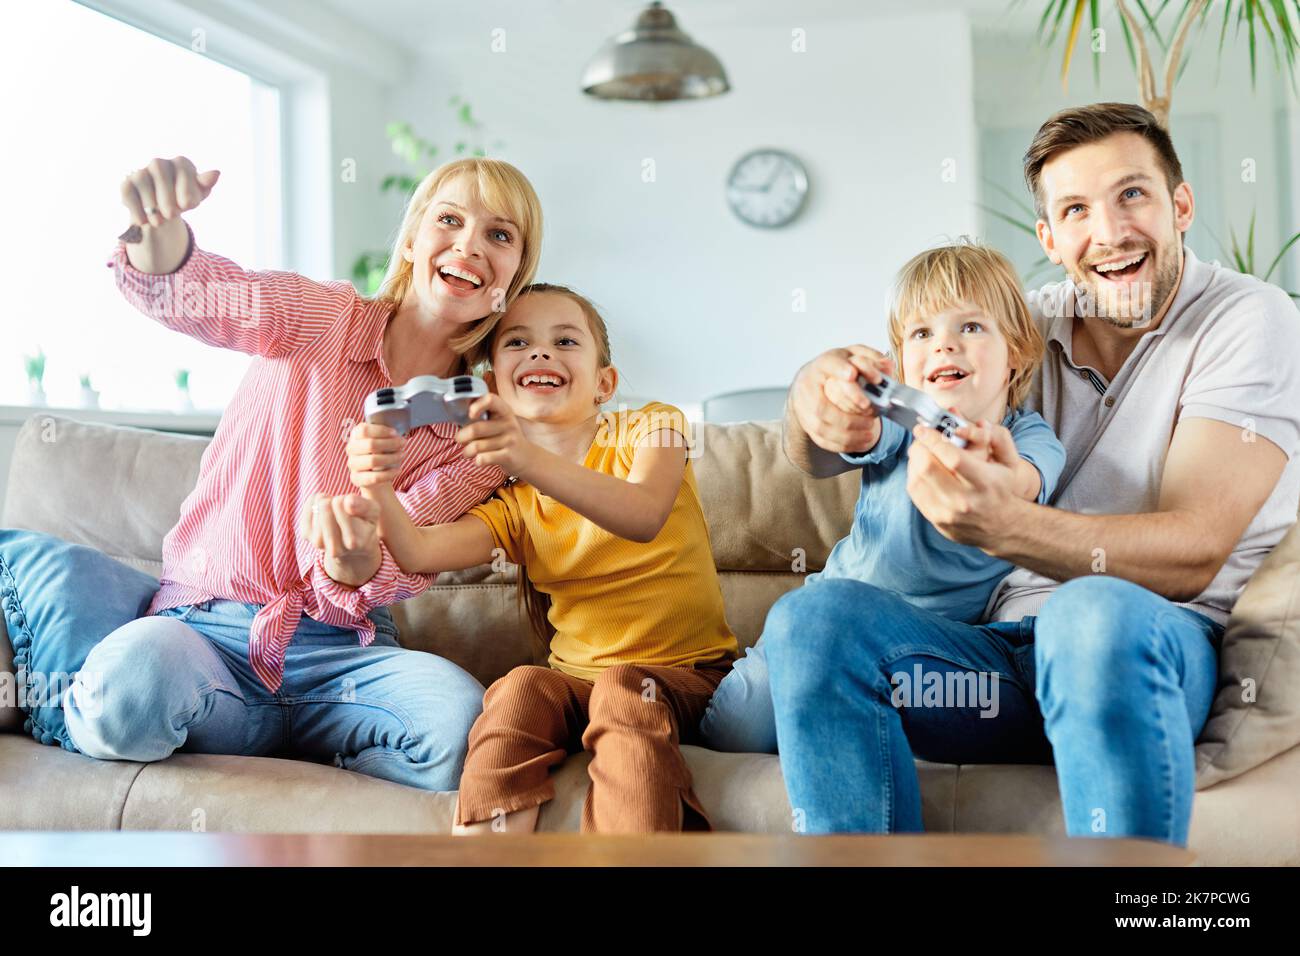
{"x":181,"y":680}
{"x":1111,"y":682}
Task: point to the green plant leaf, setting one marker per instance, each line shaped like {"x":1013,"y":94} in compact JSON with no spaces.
{"x":1095,"y":20}
{"x":1070,"y":41}
{"x":1278,"y":258}
{"x":1010,"y":220}
{"x":1017,"y":201}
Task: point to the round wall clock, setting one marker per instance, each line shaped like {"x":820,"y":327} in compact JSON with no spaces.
{"x":767,"y":188}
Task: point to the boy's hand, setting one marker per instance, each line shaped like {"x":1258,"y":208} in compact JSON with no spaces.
{"x":374,"y":454}
{"x":991,"y":442}
{"x":499,"y":440}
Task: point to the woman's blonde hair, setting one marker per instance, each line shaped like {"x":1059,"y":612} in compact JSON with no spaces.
{"x":968,"y":273}
{"x":507,"y":193}
{"x":535,"y":604}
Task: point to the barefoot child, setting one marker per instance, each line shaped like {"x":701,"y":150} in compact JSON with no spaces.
{"x":961,"y":330}
{"x":604,"y":519}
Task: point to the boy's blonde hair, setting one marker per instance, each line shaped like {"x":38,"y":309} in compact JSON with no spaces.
{"x":967,"y":273}
{"x":507,"y":193}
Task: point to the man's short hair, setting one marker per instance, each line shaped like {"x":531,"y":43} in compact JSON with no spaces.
{"x":1081,"y":125}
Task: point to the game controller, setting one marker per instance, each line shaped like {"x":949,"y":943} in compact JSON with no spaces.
{"x":910,"y":407}
{"x":425,"y":400}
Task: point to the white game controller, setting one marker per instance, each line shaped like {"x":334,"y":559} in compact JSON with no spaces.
{"x":425,"y":400}
{"x":911,"y":407}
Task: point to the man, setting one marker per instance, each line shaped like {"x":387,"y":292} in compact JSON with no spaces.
{"x":1175,"y":387}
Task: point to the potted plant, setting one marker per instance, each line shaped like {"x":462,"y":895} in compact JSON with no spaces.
{"x":183,"y":401}
{"x":35,"y":374}
{"x":89,"y":396}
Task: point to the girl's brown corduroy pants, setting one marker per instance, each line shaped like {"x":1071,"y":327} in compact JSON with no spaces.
{"x":631,"y":718}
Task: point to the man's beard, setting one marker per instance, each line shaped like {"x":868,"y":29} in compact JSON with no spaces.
{"x":1125,"y":306}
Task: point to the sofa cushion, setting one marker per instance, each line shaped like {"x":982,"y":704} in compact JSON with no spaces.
{"x":58,"y":601}
{"x":1256,"y":713}
{"x":115,"y":489}
{"x":763,"y":513}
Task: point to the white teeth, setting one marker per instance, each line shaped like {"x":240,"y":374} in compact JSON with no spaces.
{"x":540,"y":380}
{"x":1112,"y":266}
{"x":948,"y":373}
{"x":461,"y":274}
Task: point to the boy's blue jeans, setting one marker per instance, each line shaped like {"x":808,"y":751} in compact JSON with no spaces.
{"x":181,"y":680}
{"x":1111,"y":682}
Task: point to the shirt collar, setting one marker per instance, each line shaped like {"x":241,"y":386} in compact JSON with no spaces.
{"x":1196,"y":276}
{"x":368,"y":344}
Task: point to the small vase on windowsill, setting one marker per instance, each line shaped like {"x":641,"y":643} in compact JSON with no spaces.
{"x":35,"y":394}
{"x":184,"y":404}
{"x":89,"y":396}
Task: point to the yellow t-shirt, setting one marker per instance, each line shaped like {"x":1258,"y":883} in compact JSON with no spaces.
{"x":615,"y":601}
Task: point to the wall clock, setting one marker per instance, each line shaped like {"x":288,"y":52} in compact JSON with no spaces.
{"x":767,"y":188}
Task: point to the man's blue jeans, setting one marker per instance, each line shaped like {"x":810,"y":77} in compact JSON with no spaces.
{"x":1111,"y":682}
{"x":181,"y":680}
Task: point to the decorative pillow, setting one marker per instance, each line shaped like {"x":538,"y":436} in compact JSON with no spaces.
{"x":59,"y":600}
{"x":1256,"y":714}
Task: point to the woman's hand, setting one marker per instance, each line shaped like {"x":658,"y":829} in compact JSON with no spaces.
{"x":499,"y":440}
{"x":155,"y":196}
{"x":346,"y":528}
{"x":374,"y":454}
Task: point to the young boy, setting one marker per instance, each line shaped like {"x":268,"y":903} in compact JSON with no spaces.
{"x":962,"y":333}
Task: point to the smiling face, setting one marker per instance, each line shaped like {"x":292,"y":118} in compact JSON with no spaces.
{"x":463,"y":256}
{"x":960,"y":358}
{"x":1113,"y":225}
{"x":546,"y":361}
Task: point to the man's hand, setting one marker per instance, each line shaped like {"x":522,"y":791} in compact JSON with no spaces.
{"x":968,"y":494}
{"x":346,"y":528}
{"x":499,"y":440}
{"x":829,"y":404}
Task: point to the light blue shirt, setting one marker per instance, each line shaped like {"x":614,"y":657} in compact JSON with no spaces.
{"x":893,"y":546}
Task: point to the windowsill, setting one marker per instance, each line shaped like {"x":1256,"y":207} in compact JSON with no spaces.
{"x":192,"y":423}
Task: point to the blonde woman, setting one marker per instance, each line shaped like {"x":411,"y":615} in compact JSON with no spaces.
{"x":256,"y":642}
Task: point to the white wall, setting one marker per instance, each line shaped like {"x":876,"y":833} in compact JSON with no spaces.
{"x":697,"y":301}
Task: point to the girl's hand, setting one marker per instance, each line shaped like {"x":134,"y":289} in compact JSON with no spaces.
{"x":499,"y":440}
{"x":374,"y":454}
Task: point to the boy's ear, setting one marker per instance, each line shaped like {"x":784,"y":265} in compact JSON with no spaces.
{"x":490,"y":379}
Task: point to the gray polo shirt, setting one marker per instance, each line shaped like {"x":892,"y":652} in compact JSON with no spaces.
{"x":1228,"y":349}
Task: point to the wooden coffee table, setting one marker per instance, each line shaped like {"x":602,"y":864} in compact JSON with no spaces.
{"x":148,"y":848}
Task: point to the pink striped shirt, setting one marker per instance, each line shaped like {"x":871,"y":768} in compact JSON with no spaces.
{"x":317,"y":351}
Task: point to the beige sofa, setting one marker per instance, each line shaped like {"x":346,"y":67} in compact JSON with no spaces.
{"x":119,"y":490}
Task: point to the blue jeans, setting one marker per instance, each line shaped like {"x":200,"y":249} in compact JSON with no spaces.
{"x":181,"y":680}
{"x":1111,"y":681}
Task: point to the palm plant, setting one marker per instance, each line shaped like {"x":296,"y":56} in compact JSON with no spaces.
{"x":1271,"y":19}
{"x":1243,"y":255}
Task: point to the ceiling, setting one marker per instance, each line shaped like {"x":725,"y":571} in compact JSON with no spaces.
{"x":413,"y":23}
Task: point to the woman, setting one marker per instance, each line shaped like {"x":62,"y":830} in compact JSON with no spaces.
{"x":256,"y":642}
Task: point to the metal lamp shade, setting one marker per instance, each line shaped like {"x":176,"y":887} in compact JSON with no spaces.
{"x":653,"y":61}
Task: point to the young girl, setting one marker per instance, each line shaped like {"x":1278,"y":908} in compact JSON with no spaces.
{"x":605,"y":521}
{"x":961,"y":331}
{"x":254,"y":636}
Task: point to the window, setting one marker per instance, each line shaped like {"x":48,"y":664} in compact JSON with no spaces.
{"x":91,"y":98}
